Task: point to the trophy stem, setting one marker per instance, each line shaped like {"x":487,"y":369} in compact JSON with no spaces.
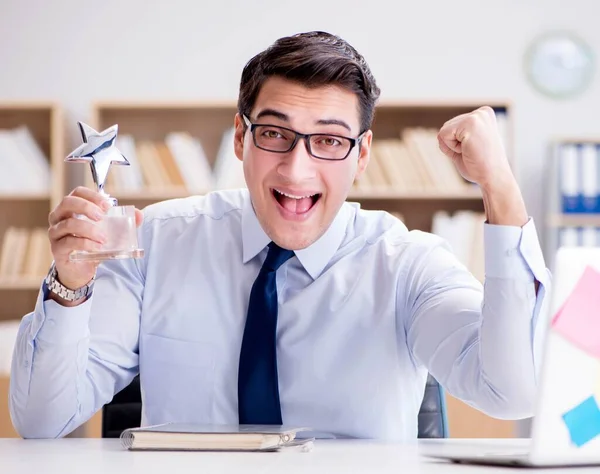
{"x":112,"y":200}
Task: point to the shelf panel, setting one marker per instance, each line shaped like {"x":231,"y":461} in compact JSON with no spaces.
{"x":25,"y":197}
{"x":576,"y":140}
{"x":574,"y":220}
{"x":165,"y":105}
{"x":151,"y":194}
{"x":20,"y":283}
{"x":393,"y":194}
{"x":425,"y":104}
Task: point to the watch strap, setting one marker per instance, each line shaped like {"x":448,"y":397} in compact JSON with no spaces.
{"x":67,"y":294}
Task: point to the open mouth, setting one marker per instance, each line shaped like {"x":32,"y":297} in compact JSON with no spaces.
{"x":296,"y":204}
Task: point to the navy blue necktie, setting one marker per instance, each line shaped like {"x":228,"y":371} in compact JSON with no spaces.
{"x":258,"y":387}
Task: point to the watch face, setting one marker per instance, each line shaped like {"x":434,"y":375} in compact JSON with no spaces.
{"x":559,"y":64}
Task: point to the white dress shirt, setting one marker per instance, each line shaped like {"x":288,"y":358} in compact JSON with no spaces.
{"x":364,"y":313}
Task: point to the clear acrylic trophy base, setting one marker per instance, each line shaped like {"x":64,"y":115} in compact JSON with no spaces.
{"x":119,"y":227}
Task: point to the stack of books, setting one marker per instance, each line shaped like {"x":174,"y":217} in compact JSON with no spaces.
{"x":25,"y":167}
{"x":8,"y":338}
{"x":577,"y":177}
{"x":411,"y":164}
{"x":464,"y":232}
{"x":25,"y":254}
{"x":179,"y":163}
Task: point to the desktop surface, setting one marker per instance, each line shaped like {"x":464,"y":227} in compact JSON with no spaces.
{"x":77,"y":455}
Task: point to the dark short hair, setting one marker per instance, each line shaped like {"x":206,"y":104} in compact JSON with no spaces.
{"x":312,"y":59}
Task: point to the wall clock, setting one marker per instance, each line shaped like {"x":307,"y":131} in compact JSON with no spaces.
{"x":559,"y":64}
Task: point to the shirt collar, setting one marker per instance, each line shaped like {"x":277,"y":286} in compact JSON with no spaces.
{"x":313,"y":258}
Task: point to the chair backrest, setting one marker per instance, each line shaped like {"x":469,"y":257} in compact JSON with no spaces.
{"x":433,"y":421}
{"x":125,"y":411}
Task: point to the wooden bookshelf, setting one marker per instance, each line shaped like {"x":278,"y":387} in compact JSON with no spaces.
{"x":29,"y":210}
{"x":418,"y":207}
{"x":152,"y":122}
{"x":574,"y":220}
{"x":209,"y":120}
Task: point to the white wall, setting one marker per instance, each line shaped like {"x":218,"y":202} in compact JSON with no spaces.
{"x":80,"y":51}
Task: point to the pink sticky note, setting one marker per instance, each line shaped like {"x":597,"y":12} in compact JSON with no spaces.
{"x":579,"y":318}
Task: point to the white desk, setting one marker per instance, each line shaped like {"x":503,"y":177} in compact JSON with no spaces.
{"x":95,"y":456}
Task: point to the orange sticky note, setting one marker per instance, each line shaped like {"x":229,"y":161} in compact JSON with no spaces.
{"x":578,"y":320}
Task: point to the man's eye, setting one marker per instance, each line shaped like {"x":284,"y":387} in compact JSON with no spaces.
{"x":272,"y":134}
{"x":330,"y":141}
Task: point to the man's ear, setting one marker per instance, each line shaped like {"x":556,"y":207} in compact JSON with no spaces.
{"x":364,"y":154}
{"x":238,"y":137}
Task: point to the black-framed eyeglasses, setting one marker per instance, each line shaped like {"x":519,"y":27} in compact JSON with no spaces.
{"x":324,"y":146}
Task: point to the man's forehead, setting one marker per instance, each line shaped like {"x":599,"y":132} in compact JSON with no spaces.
{"x":291,"y":101}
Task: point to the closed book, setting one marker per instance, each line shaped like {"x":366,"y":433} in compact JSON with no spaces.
{"x":570,"y":178}
{"x":590,"y":201}
{"x":198,"y":437}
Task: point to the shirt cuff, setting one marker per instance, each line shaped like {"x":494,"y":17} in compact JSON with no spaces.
{"x":514,"y":252}
{"x":60,"y":324}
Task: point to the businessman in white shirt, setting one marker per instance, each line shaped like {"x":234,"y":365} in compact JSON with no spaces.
{"x":284,"y":303}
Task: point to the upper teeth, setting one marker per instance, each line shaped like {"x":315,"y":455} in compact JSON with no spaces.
{"x":292,"y":196}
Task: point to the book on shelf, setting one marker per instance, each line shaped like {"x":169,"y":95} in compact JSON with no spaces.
{"x":411,"y":163}
{"x":190,"y":158}
{"x":583,"y":236}
{"x":25,"y":253}
{"x":178,"y":163}
{"x":464,"y":233}
{"x":228,"y":170}
{"x":8,"y":338}
{"x":398,"y":215}
{"x":127,"y":177}
{"x":25,"y":168}
{"x":197,"y":437}
{"x":578,"y":179}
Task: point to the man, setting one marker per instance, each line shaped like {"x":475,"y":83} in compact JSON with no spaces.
{"x":282,"y":303}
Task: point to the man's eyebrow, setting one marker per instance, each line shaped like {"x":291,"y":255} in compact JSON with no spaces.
{"x":285,"y":118}
{"x":334,"y":122}
{"x":273,"y":113}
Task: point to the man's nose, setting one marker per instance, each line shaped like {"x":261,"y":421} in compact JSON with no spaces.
{"x":298,"y":165}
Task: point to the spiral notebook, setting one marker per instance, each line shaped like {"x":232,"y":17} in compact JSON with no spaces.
{"x":195,"y":437}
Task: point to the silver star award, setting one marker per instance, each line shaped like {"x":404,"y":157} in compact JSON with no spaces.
{"x":100,"y":151}
{"x":119,"y":224}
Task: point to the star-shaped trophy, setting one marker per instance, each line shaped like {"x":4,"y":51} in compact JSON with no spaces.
{"x":100,"y":151}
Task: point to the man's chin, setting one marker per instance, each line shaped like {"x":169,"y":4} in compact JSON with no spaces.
{"x":291,"y":240}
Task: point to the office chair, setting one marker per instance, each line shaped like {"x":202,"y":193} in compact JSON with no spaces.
{"x":125,"y":411}
{"x":433,"y":420}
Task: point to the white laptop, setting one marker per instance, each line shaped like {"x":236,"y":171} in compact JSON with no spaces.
{"x":566,"y":425}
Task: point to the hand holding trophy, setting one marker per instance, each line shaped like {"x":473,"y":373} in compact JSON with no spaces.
{"x":118,"y":225}
{"x":88,"y":227}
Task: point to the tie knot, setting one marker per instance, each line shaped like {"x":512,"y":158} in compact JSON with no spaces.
{"x":276,"y":257}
